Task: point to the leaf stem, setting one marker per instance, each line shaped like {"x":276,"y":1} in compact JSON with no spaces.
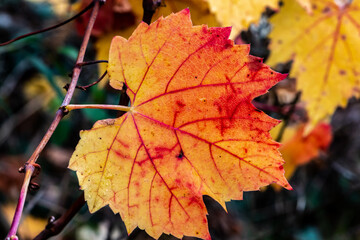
{"x":30,"y":165}
{"x":71,"y":107}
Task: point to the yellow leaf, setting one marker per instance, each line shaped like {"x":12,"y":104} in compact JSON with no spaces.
{"x":239,"y":14}
{"x":306,"y":4}
{"x":325,"y":47}
{"x":39,"y":86}
{"x":191,"y":129}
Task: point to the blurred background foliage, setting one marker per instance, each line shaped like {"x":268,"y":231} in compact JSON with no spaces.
{"x":324,"y":204}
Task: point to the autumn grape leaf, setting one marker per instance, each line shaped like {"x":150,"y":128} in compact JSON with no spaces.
{"x":240,"y":14}
{"x":191,"y":130}
{"x":298,"y":149}
{"x":325,"y":47}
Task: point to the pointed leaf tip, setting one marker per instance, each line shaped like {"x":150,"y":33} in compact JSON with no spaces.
{"x":186,"y":11}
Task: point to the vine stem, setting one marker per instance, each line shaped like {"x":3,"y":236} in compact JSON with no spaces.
{"x":55,"y":227}
{"x":71,"y":107}
{"x":20,"y":205}
{"x":31,"y":163}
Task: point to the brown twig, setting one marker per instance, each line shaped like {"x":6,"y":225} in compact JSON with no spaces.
{"x":31,"y":163}
{"x":149,"y":7}
{"x":92,"y":62}
{"x":54,"y":227}
{"x":124,"y":100}
{"x":84,"y":88}
{"x":49,"y":28}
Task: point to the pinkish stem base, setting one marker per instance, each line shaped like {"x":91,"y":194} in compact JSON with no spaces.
{"x":19,"y":208}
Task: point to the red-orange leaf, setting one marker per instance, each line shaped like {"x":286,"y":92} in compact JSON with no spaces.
{"x":191,"y":130}
{"x":299,"y":149}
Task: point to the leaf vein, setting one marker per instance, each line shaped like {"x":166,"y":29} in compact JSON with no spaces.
{"x":155,"y":168}
{"x":197,"y":86}
{"x":186,"y":59}
{"x":206,"y":141}
{"x":106,"y":160}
